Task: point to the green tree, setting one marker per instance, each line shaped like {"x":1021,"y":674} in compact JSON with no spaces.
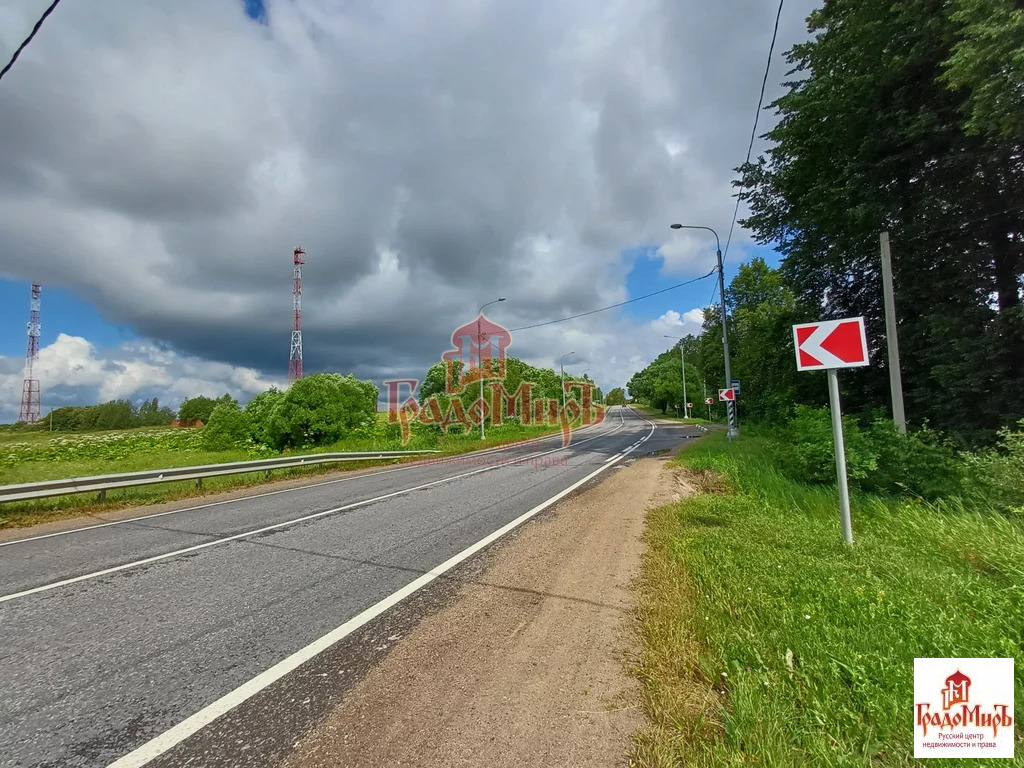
{"x":259,"y":411}
{"x":197,"y":408}
{"x":870,"y":139}
{"x":764,"y":309}
{"x":616,"y":396}
{"x":320,"y":409}
{"x":228,"y":427}
{"x":151,"y":414}
{"x":987,"y":66}
{"x":117,"y":414}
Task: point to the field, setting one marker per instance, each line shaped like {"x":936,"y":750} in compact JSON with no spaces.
{"x":31,"y":456}
{"x":765,"y":641}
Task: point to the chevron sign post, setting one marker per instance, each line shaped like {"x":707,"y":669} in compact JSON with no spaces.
{"x":828,"y":346}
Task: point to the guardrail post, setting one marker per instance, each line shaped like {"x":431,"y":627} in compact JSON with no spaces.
{"x":102,"y":495}
{"x":266,"y":474}
{"x":199,"y":483}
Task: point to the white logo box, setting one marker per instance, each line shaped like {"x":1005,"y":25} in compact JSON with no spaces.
{"x":963,"y":708}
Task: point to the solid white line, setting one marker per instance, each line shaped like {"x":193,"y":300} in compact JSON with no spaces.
{"x":275,"y":526}
{"x":178,"y":733}
{"x":410,"y":465}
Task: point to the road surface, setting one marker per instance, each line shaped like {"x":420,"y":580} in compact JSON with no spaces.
{"x":205,"y":636}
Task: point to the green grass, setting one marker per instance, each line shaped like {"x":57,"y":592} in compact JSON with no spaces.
{"x":766,"y":641}
{"x":131,"y":450}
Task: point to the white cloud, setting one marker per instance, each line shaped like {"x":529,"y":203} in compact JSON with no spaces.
{"x":72,"y":371}
{"x":673,"y":324}
{"x":161,"y":160}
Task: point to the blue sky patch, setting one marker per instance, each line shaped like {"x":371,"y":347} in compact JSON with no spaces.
{"x":62,"y":312}
{"x":256,"y":10}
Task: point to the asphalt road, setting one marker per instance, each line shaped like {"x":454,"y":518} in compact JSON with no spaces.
{"x":112,"y":637}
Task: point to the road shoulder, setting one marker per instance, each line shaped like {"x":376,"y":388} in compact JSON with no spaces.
{"x":525,"y":665}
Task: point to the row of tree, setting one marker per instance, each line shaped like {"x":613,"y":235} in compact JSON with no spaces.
{"x":116,"y":414}
{"x":547,"y":383}
{"x":907,"y":118}
{"x":123,"y":414}
{"x":762,"y":310}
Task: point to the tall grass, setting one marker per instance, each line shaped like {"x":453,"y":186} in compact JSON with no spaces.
{"x":766,"y":641}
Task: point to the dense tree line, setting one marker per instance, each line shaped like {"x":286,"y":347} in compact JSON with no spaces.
{"x":116,"y":414}
{"x":616,"y":396}
{"x":908,"y":118}
{"x":199,"y":408}
{"x":900,"y":117}
{"x":547,"y":383}
{"x":762,"y":310}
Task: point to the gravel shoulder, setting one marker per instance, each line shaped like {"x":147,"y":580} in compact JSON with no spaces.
{"x":526,"y":666}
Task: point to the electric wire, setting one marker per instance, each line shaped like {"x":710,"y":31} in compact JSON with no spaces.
{"x":28,"y":39}
{"x":613,"y":306}
{"x":757,"y":115}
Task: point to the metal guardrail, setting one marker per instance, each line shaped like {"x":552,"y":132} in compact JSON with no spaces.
{"x":100,"y":484}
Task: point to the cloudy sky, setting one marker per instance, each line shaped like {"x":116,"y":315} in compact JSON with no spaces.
{"x":159,"y":162}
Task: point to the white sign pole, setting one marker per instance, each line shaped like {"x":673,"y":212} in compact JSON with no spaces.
{"x":840,"y":449}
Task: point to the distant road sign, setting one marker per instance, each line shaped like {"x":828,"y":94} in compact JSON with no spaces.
{"x":710,"y":401}
{"x":736,"y":386}
{"x":727,"y":395}
{"x":831,"y":344}
{"x":689,"y":405}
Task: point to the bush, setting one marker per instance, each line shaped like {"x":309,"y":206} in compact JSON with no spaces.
{"x":994,"y":479}
{"x":920,"y":462}
{"x":228,"y":427}
{"x":259,"y":411}
{"x":878,"y":459}
{"x":809,"y":455}
{"x":201,"y":407}
{"x":321,"y":409}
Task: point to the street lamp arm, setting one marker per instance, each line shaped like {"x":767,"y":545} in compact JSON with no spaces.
{"x":718,"y":244}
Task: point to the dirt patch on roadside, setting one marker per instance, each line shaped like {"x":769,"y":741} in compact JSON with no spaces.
{"x":525,"y":666}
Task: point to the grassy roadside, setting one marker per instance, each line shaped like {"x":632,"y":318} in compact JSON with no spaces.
{"x":31,"y":513}
{"x":766,"y":642}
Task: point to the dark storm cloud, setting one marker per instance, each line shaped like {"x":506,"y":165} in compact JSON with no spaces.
{"x":163,"y":160}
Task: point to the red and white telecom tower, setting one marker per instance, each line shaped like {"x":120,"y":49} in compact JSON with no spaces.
{"x":295,"y":358}
{"x":29,"y":412}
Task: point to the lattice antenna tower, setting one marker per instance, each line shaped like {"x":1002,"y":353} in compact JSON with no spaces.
{"x":295,"y":358}
{"x":30,"y":407}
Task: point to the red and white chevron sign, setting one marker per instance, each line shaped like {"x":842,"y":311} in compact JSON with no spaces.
{"x":831,"y":344}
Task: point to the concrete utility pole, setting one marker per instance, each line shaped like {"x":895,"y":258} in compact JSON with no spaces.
{"x":891,"y":339}
{"x":730,"y":406}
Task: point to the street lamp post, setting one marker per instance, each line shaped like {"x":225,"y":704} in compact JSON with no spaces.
{"x":730,"y":406}
{"x":480,"y":359}
{"x":682,"y":362}
{"x":562,"y":369}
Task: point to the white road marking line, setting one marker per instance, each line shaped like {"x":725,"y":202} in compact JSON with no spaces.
{"x":178,"y":733}
{"x":410,"y":465}
{"x":274,"y":526}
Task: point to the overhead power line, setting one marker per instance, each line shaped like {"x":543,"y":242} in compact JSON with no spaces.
{"x":613,"y":306}
{"x":757,"y":115}
{"x":28,"y":39}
